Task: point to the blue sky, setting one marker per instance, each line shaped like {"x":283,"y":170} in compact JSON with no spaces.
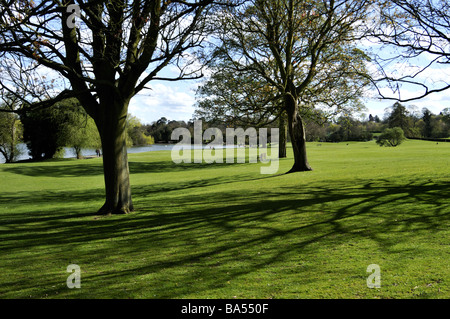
{"x":176,"y":101}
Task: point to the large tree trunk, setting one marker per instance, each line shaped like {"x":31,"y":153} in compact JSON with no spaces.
{"x":297,"y":135}
{"x":283,"y":136}
{"x":112,"y":128}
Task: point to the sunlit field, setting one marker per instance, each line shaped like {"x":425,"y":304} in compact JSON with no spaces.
{"x":226,"y":231}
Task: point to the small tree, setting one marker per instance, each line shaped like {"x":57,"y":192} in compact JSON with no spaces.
{"x":391,"y":137}
{"x":78,"y":130}
{"x":41,"y":132}
{"x":10,"y":136}
{"x":10,"y":129}
{"x":136,"y":133}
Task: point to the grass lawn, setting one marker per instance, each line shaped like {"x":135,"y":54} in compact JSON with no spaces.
{"x":226,"y":231}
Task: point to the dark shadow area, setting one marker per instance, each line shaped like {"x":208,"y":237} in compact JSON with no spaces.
{"x":215,"y":230}
{"x":168,"y":166}
{"x":71,"y":169}
{"x":95,"y":169}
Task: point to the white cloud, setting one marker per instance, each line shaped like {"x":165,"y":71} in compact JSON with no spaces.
{"x":175,"y":102}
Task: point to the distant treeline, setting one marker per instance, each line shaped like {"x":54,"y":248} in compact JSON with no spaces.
{"x":415,"y":124}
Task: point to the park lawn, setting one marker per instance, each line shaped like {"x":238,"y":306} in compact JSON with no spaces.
{"x":226,"y":231}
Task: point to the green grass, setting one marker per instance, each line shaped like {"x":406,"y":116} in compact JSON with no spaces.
{"x":226,"y":231}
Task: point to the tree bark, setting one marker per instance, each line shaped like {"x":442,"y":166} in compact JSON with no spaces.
{"x":78,"y":152}
{"x":297,"y":135}
{"x":283,"y":136}
{"x":112,"y":127}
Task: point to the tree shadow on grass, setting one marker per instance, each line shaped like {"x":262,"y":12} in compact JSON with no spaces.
{"x":58,"y":169}
{"x":63,"y":169}
{"x":188,"y":245}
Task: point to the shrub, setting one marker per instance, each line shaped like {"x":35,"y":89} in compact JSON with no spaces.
{"x":391,"y":137}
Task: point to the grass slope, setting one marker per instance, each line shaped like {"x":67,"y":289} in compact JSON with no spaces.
{"x":226,"y":231}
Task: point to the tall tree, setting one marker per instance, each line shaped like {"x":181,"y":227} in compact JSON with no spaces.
{"x":446,"y":115}
{"x":398,"y":117}
{"x":240,"y":99}
{"x":110,"y":54}
{"x":296,"y":47}
{"x":427,"y":118}
{"x":236,"y":97}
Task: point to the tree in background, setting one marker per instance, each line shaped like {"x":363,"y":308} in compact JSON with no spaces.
{"x":137,"y":133}
{"x":10,"y":136}
{"x":347,"y":128}
{"x":399,"y":116}
{"x":236,"y":98}
{"x":435,"y":126}
{"x":445,"y":119}
{"x":42,"y":131}
{"x":10,"y":128}
{"x":48,"y":131}
{"x":78,"y":130}
{"x":239,"y":99}
{"x":295,"y":48}
{"x":66,"y":124}
{"x":427,"y":118}
{"x":446,"y":115}
{"x":391,"y":137}
{"x":161,"y":130}
{"x":415,"y":124}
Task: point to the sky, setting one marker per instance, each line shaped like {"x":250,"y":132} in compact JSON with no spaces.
{"x":172,"y":100}
{"x":176,"y":101}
